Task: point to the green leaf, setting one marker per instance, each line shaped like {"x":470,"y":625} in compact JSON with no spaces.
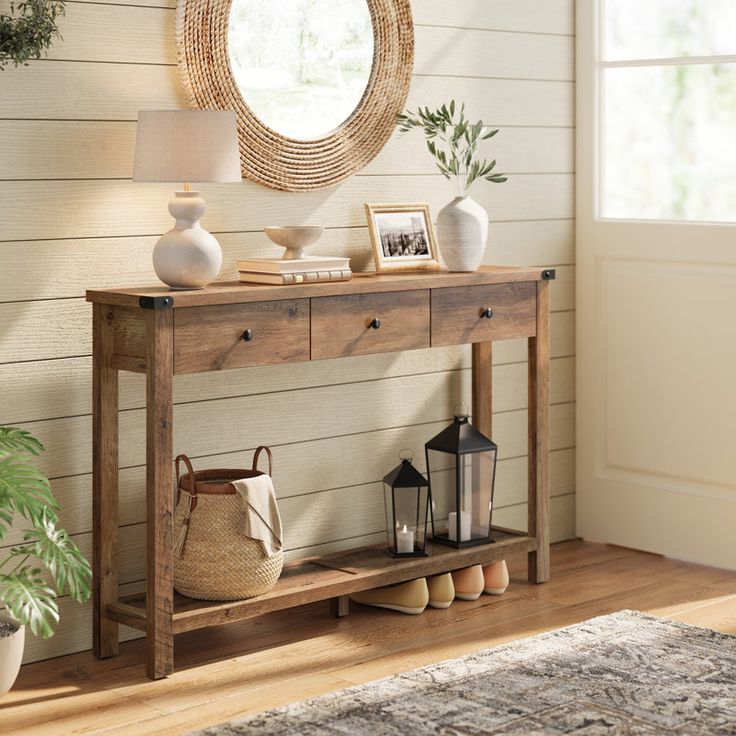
{"x":443,"y":170}
{"x":18,"y":441}
{"x":68,"y":567}
{"x":24,"y":550}
{"x":30,"y":600}
{"x":24,"y":488}
{"x":472,"y":173}
{"x":487,"y":167}
{"x":6,"y":518}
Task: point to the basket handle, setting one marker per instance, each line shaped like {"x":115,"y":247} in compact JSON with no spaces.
{"x":258,"y":454}
{"x":192,"y":484}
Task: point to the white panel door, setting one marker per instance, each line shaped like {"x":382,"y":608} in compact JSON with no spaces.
{"x":656,"y":276}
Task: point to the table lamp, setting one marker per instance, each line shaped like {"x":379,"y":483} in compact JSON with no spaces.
{"x":186,"y":146}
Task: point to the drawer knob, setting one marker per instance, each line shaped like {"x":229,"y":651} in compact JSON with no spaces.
{"x":375,"y":323}
{"x":487,"y":313}
{"x":247,"y":335}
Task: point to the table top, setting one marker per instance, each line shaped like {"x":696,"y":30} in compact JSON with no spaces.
{"x":235,"y":292}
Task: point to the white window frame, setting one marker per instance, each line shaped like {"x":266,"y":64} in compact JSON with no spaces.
{"x":600,"y":66}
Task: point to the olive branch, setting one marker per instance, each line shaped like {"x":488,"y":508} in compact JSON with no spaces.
{"x":453,"y":141}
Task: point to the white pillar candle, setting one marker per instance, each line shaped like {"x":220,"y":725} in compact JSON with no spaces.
{"x":405,"y":541}
{"x":464,"y":526}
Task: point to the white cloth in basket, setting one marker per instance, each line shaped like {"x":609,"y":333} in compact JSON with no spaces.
{"x":262,"y":520}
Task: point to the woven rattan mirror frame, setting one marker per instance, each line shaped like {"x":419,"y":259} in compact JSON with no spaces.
{"x":273,"y":159}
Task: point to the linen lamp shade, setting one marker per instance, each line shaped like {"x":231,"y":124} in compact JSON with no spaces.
{"x":186,"y":145}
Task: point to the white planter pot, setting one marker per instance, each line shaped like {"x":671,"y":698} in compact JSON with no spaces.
{"x":462,"y":231}
{"x":11,"y":654}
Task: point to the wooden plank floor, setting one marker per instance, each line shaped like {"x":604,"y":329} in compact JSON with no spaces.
{"x":225,"y":672}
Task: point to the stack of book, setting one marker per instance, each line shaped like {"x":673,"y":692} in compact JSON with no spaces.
{"x":306,"y":270}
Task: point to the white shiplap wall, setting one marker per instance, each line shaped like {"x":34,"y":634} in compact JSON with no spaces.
{"x":70,"y":218}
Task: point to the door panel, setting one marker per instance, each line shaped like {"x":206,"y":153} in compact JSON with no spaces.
{"x":656,"y":365}
{"x":667,"y":365}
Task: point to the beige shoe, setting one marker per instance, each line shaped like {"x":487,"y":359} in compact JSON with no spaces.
{"x":411,"y":597}
{"x":441,"y":590}
{"x":468,"y":583}
{"x":496,"y":577}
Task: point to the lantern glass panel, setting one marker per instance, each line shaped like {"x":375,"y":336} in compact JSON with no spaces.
{"x":406,"y":519}
{"x":462,"y":494}
{"x":441,"y":471}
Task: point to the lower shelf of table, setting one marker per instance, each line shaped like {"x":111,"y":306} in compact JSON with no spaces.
{"x":321,"y":578}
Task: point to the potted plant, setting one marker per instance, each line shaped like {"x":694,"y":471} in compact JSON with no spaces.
{"x":462,"y":225}
{"x":44,"y":565}
{"x":28,"y":30}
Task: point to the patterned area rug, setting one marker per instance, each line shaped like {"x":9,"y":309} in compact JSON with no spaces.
{"x":627,"y":673}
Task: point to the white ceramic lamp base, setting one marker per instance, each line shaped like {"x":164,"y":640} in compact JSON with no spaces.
{"x":187,"y":257}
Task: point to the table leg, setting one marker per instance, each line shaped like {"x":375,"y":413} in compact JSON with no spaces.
{"x":104,"y":483}
{"x":159,"y":488}
{"x":482,"y":409}
{"x":340,"y":606}
{"x":482,"y":387}
{"x":538,"y":507}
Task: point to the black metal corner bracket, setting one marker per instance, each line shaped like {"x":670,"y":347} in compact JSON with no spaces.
{"x":156,"y":302}
{"x":549,"y":274}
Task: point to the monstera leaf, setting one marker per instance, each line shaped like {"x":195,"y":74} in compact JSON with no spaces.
{"x":15,"y":440}
{"x":48,"y":563}
{"x":67,"y":565}
{"x":24,"y":489}
{"x":30,"y":600}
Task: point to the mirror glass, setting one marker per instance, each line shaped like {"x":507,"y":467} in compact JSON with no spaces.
{"x":301,"y":66}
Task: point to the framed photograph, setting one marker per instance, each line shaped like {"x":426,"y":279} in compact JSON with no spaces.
{"x":402,"y":237}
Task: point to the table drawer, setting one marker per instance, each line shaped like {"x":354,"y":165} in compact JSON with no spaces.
{"x":342,"y":325}
{"x":239,"y":335}
{"x":460,"y":314}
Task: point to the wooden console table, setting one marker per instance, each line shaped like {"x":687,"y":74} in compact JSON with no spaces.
{"x":230,"y":325}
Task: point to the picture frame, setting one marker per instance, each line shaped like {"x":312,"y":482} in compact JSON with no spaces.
{"x":402,"y":237}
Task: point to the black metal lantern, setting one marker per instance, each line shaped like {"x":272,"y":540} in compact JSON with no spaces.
{"x":406,"y":496}
{"x":461,"y":466}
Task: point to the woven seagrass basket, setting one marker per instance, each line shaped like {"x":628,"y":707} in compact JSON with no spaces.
{"x":213,"y":560}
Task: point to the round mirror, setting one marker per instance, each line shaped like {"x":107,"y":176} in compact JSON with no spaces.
{"x":315,"y":84}
{"x":302,"y":66}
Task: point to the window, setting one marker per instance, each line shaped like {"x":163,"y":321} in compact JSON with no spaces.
{"x":668,"y":110}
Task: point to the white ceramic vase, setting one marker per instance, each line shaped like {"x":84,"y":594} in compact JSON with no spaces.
{"x":11,"y":654}
{"x":187,"y":257}
{"x":462,"y":230}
